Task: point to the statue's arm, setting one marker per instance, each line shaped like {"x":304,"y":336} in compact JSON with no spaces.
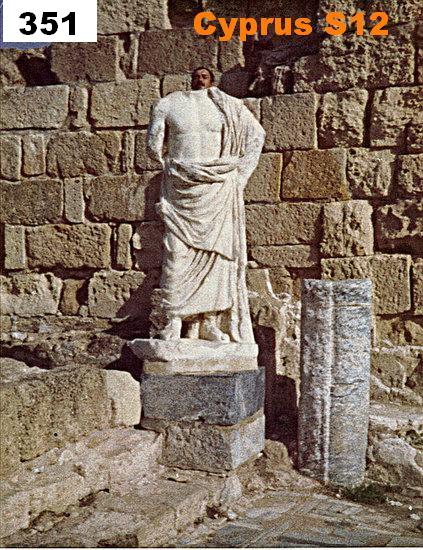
{"x":156,"y":131}
{"x":254,"y":141}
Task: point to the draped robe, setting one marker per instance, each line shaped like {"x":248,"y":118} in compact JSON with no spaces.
{"x":202,"y":209}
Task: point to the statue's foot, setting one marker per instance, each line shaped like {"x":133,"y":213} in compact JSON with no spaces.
{"x":193,"y":331}
{"x":172,"y":330}
{"x":209,"y":331}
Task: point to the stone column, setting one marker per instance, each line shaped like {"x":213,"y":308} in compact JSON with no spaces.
{"x":335,"y":372}
{"x":206,"y":397}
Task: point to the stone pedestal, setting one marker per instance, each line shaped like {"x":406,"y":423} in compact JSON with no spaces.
{"x":207,"y":397}
{"x":335,"y":373}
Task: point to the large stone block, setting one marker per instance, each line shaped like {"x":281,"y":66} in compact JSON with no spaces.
{"x":142,"y":160}
{"x":148,"y":245}
{"x":393,"y":110}
{"x":14,"y":247}
{"x":370,"y":173}
{"x":390,"y":276}
{"x":124,"y":104}
{"x":189,"y":51}
{"x":177,"y":83}
{"x":399,"y":226}
{"x":410,"y":174}
{"x":69,"y":246}
{"x":335,"y":372}
{"x":199,"y":446}
{"x":34,"y":155}
{"x":296,"y":255}
{"x":28,"y":295}
{"x":398,"y":332}
{"x":289,"y":122}
{"x":418,"y":286}
{"x":283,"y":224}
{"x":231,"y":54}
{"x":315,"y":175}
{"x":10,"y":157}
{"x":117,"y":294}
{"x":131,"y":16}
{"x":123,"y":198}
{"x":265,"y":183}
{"x":124,"y":394}
{"x":224,"y":398}
{"x":91,"y":62}
{"x":351,"y":61}
{"x":78,"y":153}
{"x":34,"y":107}
{"x":31,"y":202}
{"x":347,"y":229}
{"x":342,"y":118}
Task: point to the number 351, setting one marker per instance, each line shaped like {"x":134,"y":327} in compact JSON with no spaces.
{"x":48,"y":20}
{"x":338,"y":25}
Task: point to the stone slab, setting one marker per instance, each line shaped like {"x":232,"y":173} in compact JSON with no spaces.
{"x":200,"y":446}
{"x":223,"y":398}
{"x":189,"y":354}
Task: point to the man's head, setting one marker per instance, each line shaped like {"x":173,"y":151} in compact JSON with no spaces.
{"x":201,"y":78}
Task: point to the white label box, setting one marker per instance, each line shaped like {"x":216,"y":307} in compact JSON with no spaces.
{"x":50,"y":21}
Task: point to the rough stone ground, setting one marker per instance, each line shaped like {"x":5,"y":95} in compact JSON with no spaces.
{"x":180,"y":508}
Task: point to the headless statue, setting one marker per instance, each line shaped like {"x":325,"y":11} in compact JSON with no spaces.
{"x":213,"y":144}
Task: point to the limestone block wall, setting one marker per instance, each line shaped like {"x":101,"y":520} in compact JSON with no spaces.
{"x":337,"y":193}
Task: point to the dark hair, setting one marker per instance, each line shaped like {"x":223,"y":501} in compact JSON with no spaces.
{"x":203,"y":69}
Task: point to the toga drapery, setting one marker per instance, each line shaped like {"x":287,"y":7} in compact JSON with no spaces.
{"x":202,"y":209}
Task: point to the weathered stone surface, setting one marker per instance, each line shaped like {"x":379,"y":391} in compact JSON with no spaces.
{"x":10,"y":74}
{"x":69,"y":302}
{"x":148,"y":245}
{"x":69,"y":246}
{"x":198,"y":446}
{"x":370,"y":173}
{"x":399,"y":226}
{"x":418,"y":286}
{"x":34,"y":155}
{"x":282,"y":224}
{"x":231,"y":54}
{"x":131,"y":16}
{"x":414,"y":139}
{"x":74,"y":200}
{"x":123,"y":246}
{"x":176,"y":82}
{"x":189,"y":51}
{"x":222,"y":398}
{"x":341,"y":118}
{"x":117,"y":294}
{"x":14,"y":247}
{"x":91,"y":62}
{"x":315,"y":175}
{"x":393,"y":109}
{"x":124,"y":393}
{"x":410,"y":174}
{"x":124,"y":104}
{"x":299,"y":255}
{"x":335,"y":369}
{"x":351,"y":61}
{"x":264,"y":185}
{"x":142,"y":159}
{"x":289,"y":122}
{"x":78,"y":107}
{"x":390,"y":275}
{"x":26,"y":202}
{"x":34,"y":107}
{"x":398,"y":332}
{"x":10,"y":157}
{"x":399,"y":12}
{"x":78,"y":153}
{"x":122,"y":198}
{"x":30,"y":294}
{"x":347,"y":229}
{"x":254,"y":105}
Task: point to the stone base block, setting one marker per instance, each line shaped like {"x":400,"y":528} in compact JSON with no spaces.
{"x":220,"y":398}
{"x":200,"y":446}
{"x":191,"y":356}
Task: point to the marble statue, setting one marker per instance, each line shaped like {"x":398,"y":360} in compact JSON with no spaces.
{"x":209,"y":144}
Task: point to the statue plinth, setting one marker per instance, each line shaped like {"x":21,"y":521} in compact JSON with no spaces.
{"x":207,"y":397}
